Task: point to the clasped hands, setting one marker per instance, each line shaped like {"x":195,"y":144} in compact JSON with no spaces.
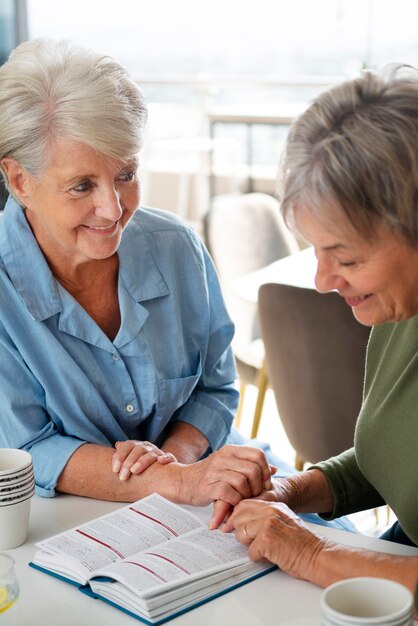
{"x":246,"y":500}
{"x":225,"y":477}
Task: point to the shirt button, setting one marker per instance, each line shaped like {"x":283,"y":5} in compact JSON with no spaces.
{"x":115,"y":357}
{"x":129,"y":408}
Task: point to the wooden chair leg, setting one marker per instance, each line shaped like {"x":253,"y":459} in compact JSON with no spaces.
{"x":299,"y":462}
{"x":261,"y":394}
{"x":376,"y":515}
{"x":238,"y":415}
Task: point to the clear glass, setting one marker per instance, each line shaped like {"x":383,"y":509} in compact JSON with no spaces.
{"x":9,"y":588}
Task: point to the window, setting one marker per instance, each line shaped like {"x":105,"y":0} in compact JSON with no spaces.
{"x":12,"y":26}
{"x":192,"y":57}
{"x":236,"y":37}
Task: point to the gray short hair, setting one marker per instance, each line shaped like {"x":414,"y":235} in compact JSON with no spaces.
{"x":356,"y":147}
{"x":57,"y":89}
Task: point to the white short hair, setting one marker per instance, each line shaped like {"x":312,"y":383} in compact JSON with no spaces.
{"x":54,"y":89}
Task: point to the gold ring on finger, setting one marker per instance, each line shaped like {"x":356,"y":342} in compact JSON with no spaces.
{"x":247,"y":534}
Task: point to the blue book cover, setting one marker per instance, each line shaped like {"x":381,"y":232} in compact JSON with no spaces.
{"x":180,"y":563}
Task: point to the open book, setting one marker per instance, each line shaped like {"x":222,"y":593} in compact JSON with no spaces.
{"x":152,"y":559}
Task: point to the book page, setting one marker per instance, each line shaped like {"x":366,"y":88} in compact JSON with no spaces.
{"x":172,"y":564}
{"x":165,"y":603}
{"x":117,"y":535}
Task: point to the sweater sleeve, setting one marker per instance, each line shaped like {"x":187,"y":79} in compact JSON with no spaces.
{"x":350,"y":489}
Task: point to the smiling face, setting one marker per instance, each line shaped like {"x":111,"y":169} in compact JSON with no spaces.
{"x":377,"y":277}
{"x":80,"y":203}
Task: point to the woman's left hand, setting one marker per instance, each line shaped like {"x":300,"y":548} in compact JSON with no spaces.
{"x":273,"y":532}
{"x":134,"y":457}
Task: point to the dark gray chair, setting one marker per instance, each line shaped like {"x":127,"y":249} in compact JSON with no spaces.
{"x":245,"y":232}
{"x":315,"y":354}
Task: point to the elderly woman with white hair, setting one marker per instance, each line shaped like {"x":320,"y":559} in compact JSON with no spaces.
{"x":350,"y":187}
{"x":113,"y":330}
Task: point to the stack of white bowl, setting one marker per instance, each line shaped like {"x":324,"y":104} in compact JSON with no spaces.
{"x":17,"y":486}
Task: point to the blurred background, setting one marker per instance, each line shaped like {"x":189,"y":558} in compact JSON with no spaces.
{"x":223,"y":78}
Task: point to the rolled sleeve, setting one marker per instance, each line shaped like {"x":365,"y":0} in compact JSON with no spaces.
{"x":212,"y":406}
{"x":207,"y":420}
{"x":25,"y":421}
{"x":210,"y":414}
{"x":50,"y":456}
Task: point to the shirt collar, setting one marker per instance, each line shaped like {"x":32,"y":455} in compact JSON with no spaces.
{"x":24,"y":260}
{"x":26,"y":265}
{"x":137,"y":267}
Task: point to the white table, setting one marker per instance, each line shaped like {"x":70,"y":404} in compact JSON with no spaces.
{"x":298,"y":269}
{"x":269,"y":601}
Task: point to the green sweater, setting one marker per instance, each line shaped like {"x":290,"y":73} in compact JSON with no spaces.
{"x":383,"y":465}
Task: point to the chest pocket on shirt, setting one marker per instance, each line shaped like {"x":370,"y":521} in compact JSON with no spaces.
{"x":174,"y":392}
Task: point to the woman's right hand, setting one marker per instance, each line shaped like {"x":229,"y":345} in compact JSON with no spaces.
{"x":294,"y":491}
{"x":278,"y":492}
{"x":274,"y":532}
{"x":304,"y":492}
{"x":230,"y":474}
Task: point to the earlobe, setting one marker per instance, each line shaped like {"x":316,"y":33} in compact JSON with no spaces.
{"x":19,"y":179}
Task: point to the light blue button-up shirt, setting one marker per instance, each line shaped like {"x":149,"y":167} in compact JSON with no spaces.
{"x":63,"y":382}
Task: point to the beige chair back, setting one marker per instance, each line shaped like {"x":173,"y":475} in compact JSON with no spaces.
{"x":315,"y":353}
{"x":245,"y":232}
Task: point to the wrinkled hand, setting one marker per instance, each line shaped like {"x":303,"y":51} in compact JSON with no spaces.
{"x":229,"y":474}
{"x":275,"y":533}
{"x":278,"y":492}
{"x":134,"y":457}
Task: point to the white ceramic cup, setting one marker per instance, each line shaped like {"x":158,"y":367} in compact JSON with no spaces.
{"x":13,"y":461}
{"x":18,"y":497}
{"x":17,"y":487}
{"x":366,"y":601}
{"x":14,"y":524}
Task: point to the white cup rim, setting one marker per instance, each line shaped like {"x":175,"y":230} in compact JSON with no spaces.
{"x":18,"y":477}
{"x":351,"y":620}
{"x":14,"y":484}
{"x":21,"y":498}
{"x":23,"y":460}
{"x":18,"y":488}
{"x":7,"y":474}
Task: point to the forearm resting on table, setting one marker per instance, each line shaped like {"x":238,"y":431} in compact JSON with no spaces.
{"x":335,"y":562}
{"x":186,"y":442}
{"x":230,"y":475}
{"x":89,"y":473}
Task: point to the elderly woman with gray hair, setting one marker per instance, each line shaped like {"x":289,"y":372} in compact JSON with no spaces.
{"x":350,"y":188}
{"x":113,"y":330}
